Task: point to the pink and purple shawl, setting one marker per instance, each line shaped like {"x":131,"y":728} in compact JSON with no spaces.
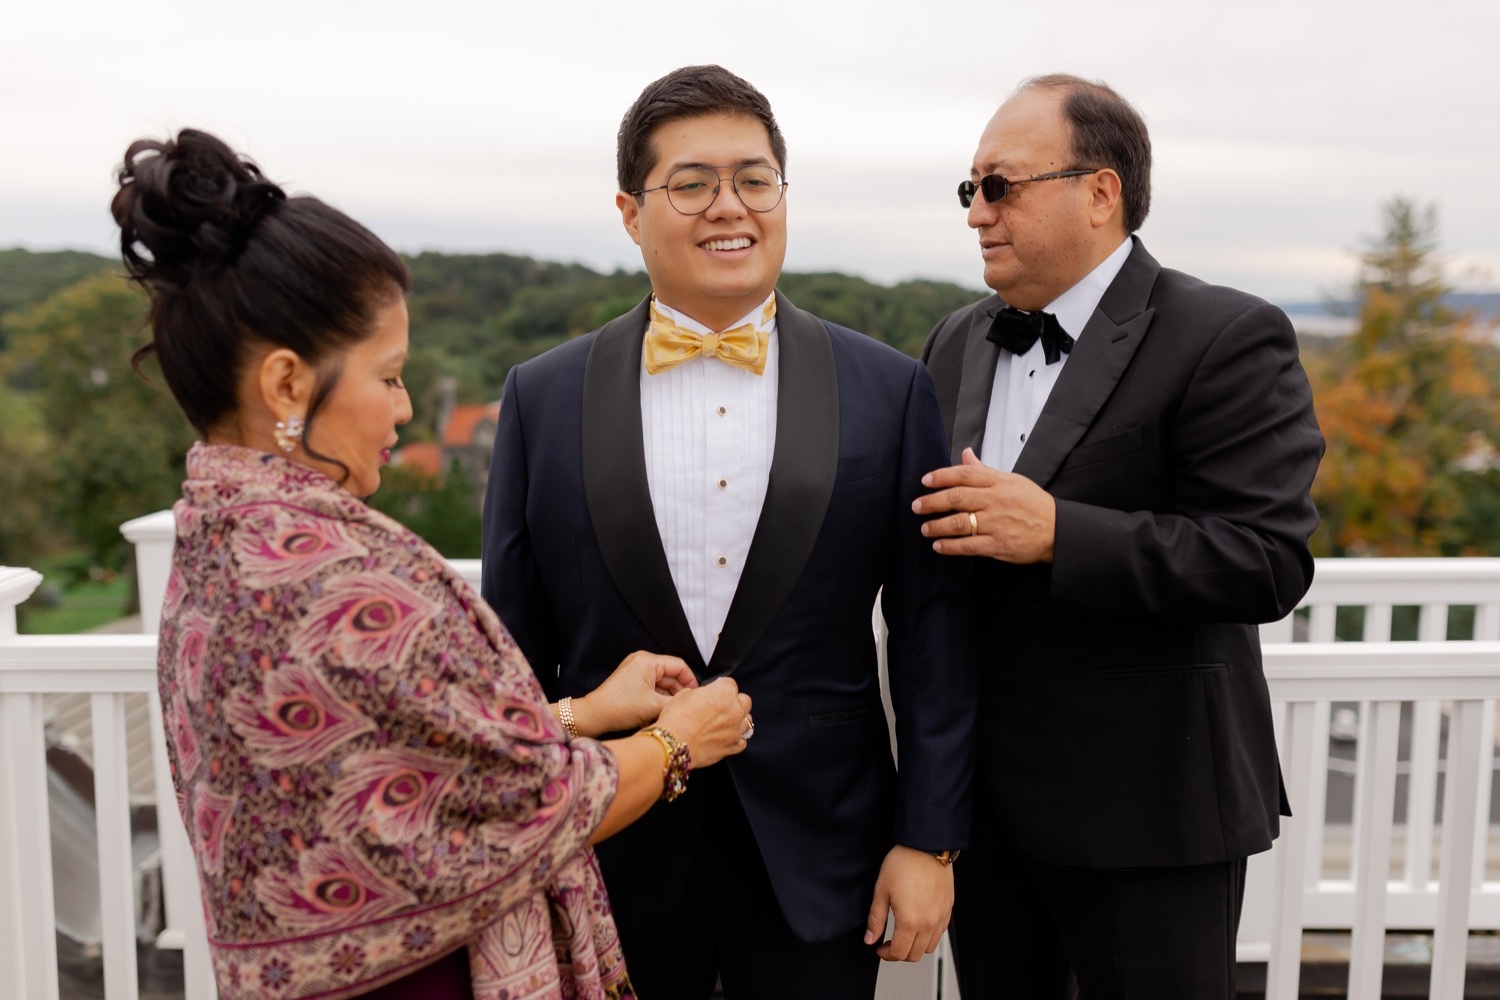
{"x":368,"y":770}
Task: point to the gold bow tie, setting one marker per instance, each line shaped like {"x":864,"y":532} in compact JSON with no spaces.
{"x":668,"y":344}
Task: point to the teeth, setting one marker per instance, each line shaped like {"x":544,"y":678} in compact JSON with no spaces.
{"x":737,"y":244}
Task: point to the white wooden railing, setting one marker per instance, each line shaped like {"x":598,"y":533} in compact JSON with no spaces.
{"x":1459,"y":681}
{"x":1288,"y":889}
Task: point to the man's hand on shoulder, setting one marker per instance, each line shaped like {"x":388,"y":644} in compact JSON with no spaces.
{"x":990,"y":513}
{"x":918,"y":889}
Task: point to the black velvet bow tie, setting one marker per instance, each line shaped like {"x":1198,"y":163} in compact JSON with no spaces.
{"x":1016,"y":331}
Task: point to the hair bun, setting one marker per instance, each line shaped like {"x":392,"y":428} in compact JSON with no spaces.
{"x":190,"y":204}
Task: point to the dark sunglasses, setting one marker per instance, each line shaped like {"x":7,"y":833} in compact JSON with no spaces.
{"x":996,"y":186}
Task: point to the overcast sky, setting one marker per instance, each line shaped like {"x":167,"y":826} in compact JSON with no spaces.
{"x":1279,"y":127}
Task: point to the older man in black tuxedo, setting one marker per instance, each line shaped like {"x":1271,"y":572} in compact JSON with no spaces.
{"x":1134,"y":449}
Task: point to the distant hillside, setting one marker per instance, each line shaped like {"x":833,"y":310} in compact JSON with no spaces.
{"x":27,"y":278}
{"x":473,"y":316}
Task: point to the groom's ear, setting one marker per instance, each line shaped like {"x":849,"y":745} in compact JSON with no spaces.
{"x":630,"y":214}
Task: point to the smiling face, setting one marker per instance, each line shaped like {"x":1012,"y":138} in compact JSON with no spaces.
{"x":720,"y":264}
{"x":1043,"y":238}
{"x":357,"y":422}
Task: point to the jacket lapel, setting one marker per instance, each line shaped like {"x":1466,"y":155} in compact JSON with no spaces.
{"x":977,"y":381}
{"x":616,"y":489}
{"x":1109,"y":341}
{"x":803,"y":467}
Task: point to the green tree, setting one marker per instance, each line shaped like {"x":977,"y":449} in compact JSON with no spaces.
{"x":26,"y":480}
{"x":1405,"y":403}
{"x":443,"y":511}
{"x":117,"y":441}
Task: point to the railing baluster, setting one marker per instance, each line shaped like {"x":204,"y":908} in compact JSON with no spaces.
{"x":1377,"y":627}
{"x":1482,"y":803}
{"x":1284,"y":970}
{"x":35,"y":917}
{"x":1375,"y":788}
{"x":1315,"y":815}
{"x":1487,"y":623}
{"x":1321,"y":622}
{"x":1421,"y":781}
{"x":1460,"y":808}
{"x":116,"y":869}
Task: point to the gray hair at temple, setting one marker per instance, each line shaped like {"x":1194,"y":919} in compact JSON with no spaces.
{"x":1107,"y":132}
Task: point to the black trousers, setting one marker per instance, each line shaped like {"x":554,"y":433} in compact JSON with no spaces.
{"x":729,"y":927}
{"x":1029,"y":930}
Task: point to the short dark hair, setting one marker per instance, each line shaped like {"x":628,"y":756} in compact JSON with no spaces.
{"x":1107,"y":132}
{"x":229,"y":262}
{"x":689,"y":92}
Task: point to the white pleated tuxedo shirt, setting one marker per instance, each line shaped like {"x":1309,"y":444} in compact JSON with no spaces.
{"x":1023,"y":382}
{"x":709,"y":430}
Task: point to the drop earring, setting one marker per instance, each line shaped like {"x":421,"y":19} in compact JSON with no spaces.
{"x":288,"y":432}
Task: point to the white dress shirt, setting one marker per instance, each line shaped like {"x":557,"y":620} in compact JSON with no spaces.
{"x":710,"y":431}
{"x":1023,"y":382}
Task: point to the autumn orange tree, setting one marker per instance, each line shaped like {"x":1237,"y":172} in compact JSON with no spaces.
{"x":1408,"y":406}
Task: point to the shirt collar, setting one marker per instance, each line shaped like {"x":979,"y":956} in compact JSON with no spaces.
{"x":756,"y":317}
{"x":1074,"y":307}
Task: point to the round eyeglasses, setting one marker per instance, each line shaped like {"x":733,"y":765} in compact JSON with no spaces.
{"x":692,"y":189}
{"x":995,"y":187}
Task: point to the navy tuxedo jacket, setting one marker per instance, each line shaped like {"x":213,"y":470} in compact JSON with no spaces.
{"x":575,"y":567}
{"x":1132,"y":721}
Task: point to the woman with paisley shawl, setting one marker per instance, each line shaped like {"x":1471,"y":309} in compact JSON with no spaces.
{"x":379,"y":798}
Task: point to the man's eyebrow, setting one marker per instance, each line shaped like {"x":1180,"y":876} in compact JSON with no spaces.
{"x":1003,"y":167}
{"x":753,"y":161}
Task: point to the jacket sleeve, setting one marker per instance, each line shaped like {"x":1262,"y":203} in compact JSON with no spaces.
{"x":929,"y":651}
{"x":510,"y":579}
{"x":1245,"y":445}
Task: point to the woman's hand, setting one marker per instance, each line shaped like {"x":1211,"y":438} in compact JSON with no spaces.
{"x":634,"y":695}
{"x":712,"y":720}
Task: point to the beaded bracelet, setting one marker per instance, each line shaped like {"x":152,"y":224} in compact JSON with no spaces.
{"x":565,"y":716}
{"x":679,"y":764}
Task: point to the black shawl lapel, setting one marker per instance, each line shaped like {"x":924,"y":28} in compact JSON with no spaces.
{"x":1109,"y":341}
{"x":615,"y":486}
{"x":803,"y":467}
{"x":977,"y":381}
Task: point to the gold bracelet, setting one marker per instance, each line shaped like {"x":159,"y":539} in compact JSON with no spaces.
{"x":678,"y":764}
{"x":565,"y":716}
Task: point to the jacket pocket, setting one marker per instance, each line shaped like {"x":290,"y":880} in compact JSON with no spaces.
{"x":858,"y":468}
{"x":847,"y":715}
{"x":1103,"y":449}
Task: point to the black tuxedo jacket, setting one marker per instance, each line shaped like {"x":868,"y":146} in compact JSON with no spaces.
{"x":575,"y":567}
{"x":1126,"y":718}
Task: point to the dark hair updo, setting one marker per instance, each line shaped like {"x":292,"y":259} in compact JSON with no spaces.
{"x":231,"y":263}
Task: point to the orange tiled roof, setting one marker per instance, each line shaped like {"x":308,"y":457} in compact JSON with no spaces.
{"x":460,"y":430}
{"x":424,"y":455}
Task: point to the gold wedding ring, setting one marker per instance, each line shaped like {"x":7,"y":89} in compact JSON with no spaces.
{"x":973,"y":523}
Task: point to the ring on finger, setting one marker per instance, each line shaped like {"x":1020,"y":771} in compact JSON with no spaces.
{"x":749,"y":728}
{"x":973,"y":523}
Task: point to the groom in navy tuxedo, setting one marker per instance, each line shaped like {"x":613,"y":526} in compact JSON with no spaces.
{"x":721,"y":476}
{"x":1133,"y":450}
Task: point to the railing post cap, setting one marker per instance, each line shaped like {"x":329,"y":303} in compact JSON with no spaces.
{"x":17,"y":583}
{"x":161,"y":526}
